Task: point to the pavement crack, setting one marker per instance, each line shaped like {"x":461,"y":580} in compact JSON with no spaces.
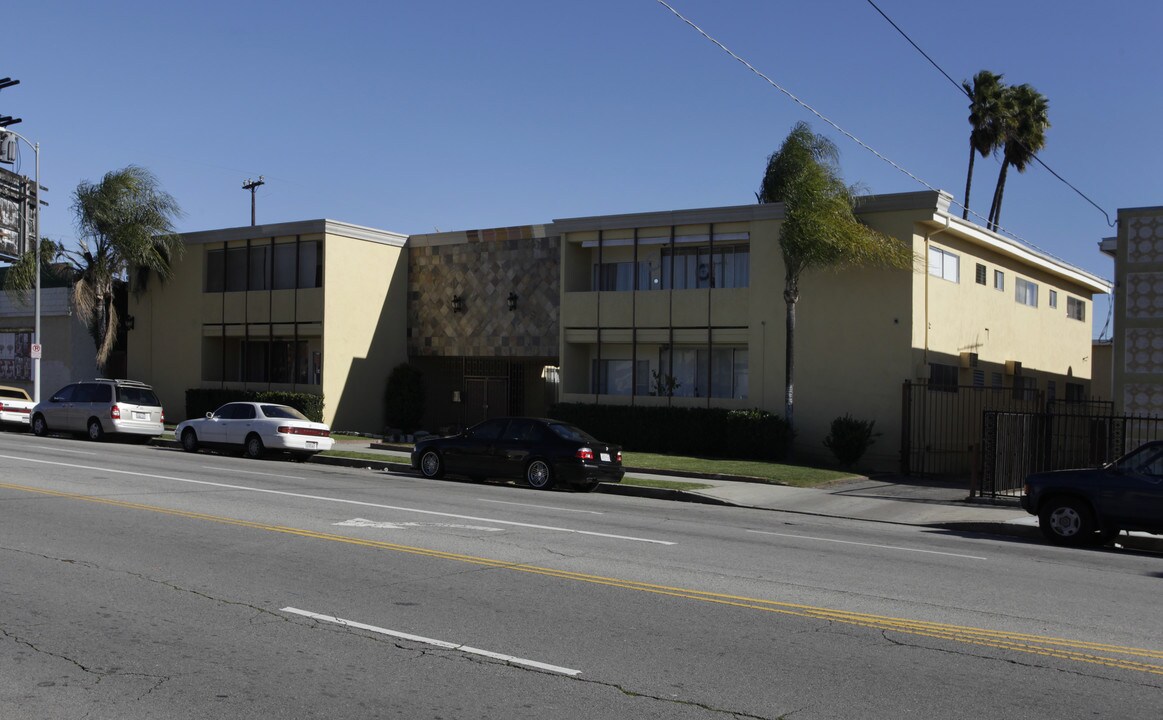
{"x":455,"y":655}
{"x":886,"y":634}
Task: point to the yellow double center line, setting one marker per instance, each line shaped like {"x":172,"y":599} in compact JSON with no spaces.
{"x":1112,"y":656}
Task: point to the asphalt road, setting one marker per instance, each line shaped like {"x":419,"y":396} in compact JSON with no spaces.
{"x":143,"y":582}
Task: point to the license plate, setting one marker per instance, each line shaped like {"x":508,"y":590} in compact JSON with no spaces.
{"x":140,"y":415}
{"x":311,"y":444}
{"x":605,"y":457}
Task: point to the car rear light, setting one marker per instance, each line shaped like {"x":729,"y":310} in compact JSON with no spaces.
{"x":619,"y":457}
{"x":115,"y":412}
{"x":289,"y":430}
{"x":162,"y":418}
{"x":584,"y":453}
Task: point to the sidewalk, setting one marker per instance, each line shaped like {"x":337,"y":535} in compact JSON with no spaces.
{"x":887,"y":499}
{"x":932,"y":503}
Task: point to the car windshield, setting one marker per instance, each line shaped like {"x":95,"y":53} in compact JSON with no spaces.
{"x":282,"y":411}
{"x":569,"y":432}
{"x":1145,"y":460}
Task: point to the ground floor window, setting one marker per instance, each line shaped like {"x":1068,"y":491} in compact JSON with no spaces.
{"x":278,"y":360}
{"x":718,"y":372}
{"x":620,"y":377}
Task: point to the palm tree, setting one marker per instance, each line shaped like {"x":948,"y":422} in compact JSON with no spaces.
{"x":126,"y":224}
{"x":985,"y":119}
{"x":1024,"y":134}
{"x":819,"y":228}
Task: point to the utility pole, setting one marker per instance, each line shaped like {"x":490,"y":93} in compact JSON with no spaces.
{"x":252,"y":185}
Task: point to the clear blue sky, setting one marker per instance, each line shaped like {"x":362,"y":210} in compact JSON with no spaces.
{"x":448,"y":114}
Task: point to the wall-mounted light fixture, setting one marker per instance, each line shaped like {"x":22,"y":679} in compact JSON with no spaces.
{"x":512,"y":301}
{"x":457,"y":304}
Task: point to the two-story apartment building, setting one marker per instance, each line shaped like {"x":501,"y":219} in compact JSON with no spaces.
{"x":316,"y":306}
{"x":686,"y":308}
{"x":681,"y":307}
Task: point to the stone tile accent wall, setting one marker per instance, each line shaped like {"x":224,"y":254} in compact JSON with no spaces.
{"x":1145,"y":240}
{"x":483,"y":267}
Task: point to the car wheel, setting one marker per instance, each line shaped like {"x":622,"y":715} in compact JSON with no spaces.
{"x":254,"y":447}
{"x":96,"y":432}
{"x":1066,"y":521}
{"x":189,"y":441}
{"x":539,"y":475}
{"x":39,"y":426}
{"x":431,"y":465}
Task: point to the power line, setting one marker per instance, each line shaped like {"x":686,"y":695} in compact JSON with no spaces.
{"x":998,"y":228}
{"x":828,"y":120}
{"x":961,"y":89}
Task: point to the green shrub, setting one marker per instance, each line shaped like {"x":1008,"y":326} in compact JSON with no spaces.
{"x":850,"y":439}
{"x":404,"y":398}
{"x":701,"y":432}
{"x":200,"y":401}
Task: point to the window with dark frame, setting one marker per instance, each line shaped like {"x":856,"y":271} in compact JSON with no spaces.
{"x":943,"y":378}
{"x":980,"y":274}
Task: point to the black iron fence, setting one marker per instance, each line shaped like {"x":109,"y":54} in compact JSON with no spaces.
{"x":1065,"y":435}
{"x":941,"y":424}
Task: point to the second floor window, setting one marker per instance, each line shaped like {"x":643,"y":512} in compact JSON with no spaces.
{"x":1075,"y":309}
{"x":263,"y":266}
{"x":1026,"y":292}
{"x":944,"y":264}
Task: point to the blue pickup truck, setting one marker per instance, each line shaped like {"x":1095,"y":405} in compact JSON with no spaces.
{"x":1092,"y":506}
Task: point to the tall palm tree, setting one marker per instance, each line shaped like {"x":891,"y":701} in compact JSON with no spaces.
{"x":819,"y":228}
{"x":985,"y":119}
{"x":1026,"y":121}
{"x":126,"y":225}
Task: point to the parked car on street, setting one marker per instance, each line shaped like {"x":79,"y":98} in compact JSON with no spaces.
{"x":539,"y":451}
{"x":255,"y":428}
{"x":100,"y":407}
{"x":1091,"y":506}
{"x":15,"y":406}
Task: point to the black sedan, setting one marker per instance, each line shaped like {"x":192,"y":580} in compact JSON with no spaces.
{"x":542,"y":452}
{"x":1076,"y":507}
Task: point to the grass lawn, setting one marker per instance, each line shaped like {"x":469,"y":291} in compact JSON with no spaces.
{"x":775,"y":473}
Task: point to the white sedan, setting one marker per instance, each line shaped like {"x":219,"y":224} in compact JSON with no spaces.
{"x":255,"y":427}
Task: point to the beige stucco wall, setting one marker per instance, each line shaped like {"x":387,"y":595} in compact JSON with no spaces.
{"x":860,"y":333}
{"x":365,"y":333}
{"x":165,"y":345}
{"x":969,"y":317}
{"x":357,"y":319}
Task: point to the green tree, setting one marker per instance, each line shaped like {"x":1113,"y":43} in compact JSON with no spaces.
{"x":819,"y":229}
{"x":985,"y":120}
{"x":1024,"y":134}
{"x":126,"y":228}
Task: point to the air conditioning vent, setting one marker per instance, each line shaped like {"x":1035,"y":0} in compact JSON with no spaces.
{"x":968,"y":359}
{"x":1013,"y":367}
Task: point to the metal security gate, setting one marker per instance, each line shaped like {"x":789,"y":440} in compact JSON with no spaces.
{"x":1066,"y":435}
{"x":941,"y":424}
{"x":485,"y":398}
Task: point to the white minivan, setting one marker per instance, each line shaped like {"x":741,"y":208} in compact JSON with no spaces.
{"x":99,"y":407}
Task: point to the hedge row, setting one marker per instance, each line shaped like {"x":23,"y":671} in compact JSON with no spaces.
{"x":709,"y":432}
{"x":200,"y":401}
